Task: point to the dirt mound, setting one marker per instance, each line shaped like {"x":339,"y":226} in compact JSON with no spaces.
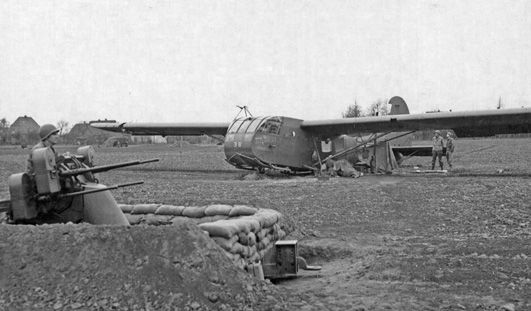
{"x":56,"y":267}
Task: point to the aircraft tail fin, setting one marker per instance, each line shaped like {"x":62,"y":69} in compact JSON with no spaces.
{"x":398,"y":106}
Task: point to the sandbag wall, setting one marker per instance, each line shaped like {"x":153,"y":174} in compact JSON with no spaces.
{"x":245,"y":233}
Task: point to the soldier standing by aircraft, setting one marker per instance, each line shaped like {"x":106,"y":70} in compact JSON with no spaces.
{"x":450,"y":147}
{"x":437,"y":149}
{"x":48,"y":134}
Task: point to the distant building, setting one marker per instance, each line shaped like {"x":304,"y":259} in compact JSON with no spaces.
{"x":84,"y":134}
{"x":200,"y":139}
{"x":24,"y":131}
{"x":153,"y":139}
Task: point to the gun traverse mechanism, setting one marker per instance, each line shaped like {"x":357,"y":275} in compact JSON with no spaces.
{"x":64,"y":189}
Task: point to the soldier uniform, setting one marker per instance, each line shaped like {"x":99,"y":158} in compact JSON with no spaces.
{"x":73,"y":198}
{"x":450,"y":146}
{"x":53,"y":211}
{"x":48,"y":134}
{"x":436,"y":151}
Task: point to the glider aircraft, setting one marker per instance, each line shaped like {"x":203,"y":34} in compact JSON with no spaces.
{"x":299,"y":146}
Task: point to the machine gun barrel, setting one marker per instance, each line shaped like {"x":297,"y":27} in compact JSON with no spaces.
{"x":103,"y":168}
{"x":73,"y":194}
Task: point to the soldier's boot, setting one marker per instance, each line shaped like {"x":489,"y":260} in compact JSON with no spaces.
{"x":432,"y":167}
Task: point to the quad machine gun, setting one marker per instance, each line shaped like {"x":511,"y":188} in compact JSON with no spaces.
{"x":63,"y":189}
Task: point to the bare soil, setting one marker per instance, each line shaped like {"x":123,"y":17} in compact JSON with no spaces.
{"x":408,"y":241}
{"x":84,"y":267}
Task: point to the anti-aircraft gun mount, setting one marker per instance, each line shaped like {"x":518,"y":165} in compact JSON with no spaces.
{"x":64,"y":189}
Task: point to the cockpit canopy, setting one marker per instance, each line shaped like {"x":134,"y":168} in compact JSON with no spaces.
{"x":269,"y":125}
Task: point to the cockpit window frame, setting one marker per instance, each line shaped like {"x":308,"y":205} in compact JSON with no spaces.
{"x":237,"y":123}
{"x":243,"y":127}
{"x":258,"y":122}
{"x":265,"y":126}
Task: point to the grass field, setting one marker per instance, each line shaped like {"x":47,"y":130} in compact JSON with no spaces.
{"x":416,"y":242}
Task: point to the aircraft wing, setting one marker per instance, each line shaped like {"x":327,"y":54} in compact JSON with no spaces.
{"x":464,"y":124}
{"x":165,"y":129}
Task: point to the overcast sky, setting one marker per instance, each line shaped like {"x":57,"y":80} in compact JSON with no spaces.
{"x":186,"y":61}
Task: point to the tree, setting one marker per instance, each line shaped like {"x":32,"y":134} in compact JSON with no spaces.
{"x":379,"y":108}
{"x":4,"y":130}
{"x":353,"y":111}
{"x":3,"y":123}
{"x":62,"y":125}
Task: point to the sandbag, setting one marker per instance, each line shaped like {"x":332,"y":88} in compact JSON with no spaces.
{"x":254,"y":224}
{"x":251,"y":224}
{"x":246,"y":224}
{"x":126,"y":208}
{"x":157,"y":220}
{"x":243,"y":238}
{"x":267,"y":217}
{"x":194,"y":211}
{"x":262,"y":252}
{"x":242,"y":210}
{"x":201,"y":220}
{"x":207,"y":219}
{"x":264,"y":243}
{"x":176,"y":220}
{"x":275,"y":231}
{"x":281,"y":234}
{"x":218,"y":217}
{"x":246,"y":251}
{"x":241,"y":224}
{"x":251,"y":238}
{"x":221,"y":228}
{"x":237,"y":248}
{"x":226,"y":244}
{"x":134,"y":219}
{"x":218,"y":209}
{"x":262,"y":234}
{"x":145,"y":208}
{"x":253,"y":250}
{"x":170,"y":210}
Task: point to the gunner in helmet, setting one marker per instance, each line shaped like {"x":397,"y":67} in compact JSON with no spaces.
{"x":49,"y":136}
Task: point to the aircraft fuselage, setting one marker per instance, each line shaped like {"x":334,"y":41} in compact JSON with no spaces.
{"x":280,"y":143}
{"x":269,"y":142}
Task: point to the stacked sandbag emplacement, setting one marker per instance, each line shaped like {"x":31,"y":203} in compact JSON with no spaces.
{"x":245,"y":233}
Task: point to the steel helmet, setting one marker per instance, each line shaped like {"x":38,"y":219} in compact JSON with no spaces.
{"x":47,"y":130}
{"x":438,"y":132}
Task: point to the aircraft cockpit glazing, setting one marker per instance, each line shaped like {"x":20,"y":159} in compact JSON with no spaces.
{"x":265,"y":125}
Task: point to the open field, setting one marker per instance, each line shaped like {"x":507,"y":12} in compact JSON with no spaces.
{"x":416,"y":242}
